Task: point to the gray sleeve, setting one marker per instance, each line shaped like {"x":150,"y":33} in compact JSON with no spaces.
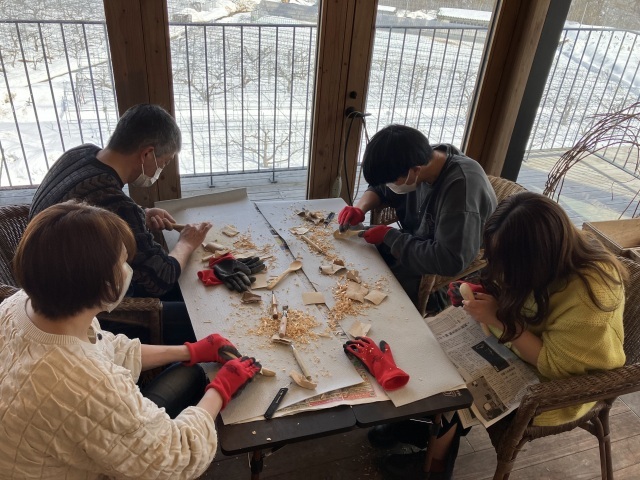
{"x":456,"y":244}
{"x":464,"y":205}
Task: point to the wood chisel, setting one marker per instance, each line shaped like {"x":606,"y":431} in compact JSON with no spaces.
{"x":327,"y":220}
{"x":275,"y":403}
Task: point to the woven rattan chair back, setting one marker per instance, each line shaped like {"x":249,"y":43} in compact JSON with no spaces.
{"x":13,"y":222}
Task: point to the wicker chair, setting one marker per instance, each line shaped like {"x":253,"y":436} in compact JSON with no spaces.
{"x":430,"y":283}
{"x":142,"y":312}
{"x":602,"y":388}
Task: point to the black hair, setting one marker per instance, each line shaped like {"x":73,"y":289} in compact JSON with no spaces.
{"x":392,"y":152}
{"x":145,"y":125}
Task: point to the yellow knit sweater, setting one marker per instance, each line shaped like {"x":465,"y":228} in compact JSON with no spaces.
{"x":578,"y":337}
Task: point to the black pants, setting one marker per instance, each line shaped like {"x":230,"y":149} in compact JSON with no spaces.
{"x":410,"y":282}
{"x":177,"y":388}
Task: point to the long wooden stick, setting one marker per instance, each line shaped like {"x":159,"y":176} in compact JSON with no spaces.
{"x":312,"y":244}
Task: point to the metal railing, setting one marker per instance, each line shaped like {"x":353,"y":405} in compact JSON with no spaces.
{"x":243,"y":92}
{"x":243,"y":95}
{"x":56,"y":92}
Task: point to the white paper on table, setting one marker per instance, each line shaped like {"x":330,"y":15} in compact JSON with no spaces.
{"x":217,"y":310}
{"x":396,"y":320}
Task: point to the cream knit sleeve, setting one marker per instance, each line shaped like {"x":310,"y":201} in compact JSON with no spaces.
{"x":120,"y":433}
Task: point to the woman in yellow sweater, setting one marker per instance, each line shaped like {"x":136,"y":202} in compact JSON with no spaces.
{"x":552,"y":293}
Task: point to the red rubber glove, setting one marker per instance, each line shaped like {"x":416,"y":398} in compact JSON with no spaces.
{"x":454,"y":292}
{"x":207,"y":276}
{"x":349,"y":216}
{"x":214,"y":348}
{"x":375,"y":234}
{"x":378,"y":362}
{"x":233,"y":377}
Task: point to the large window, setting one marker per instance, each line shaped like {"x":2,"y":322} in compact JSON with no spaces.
{"x":56,"y":84}
{"x":243,"y":84}
{"x":426,"y":60}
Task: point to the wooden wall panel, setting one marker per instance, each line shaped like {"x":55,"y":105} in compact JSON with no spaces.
{"x":511,"y":51}
{"x":139,"y":42}
{"x":345,"y":42}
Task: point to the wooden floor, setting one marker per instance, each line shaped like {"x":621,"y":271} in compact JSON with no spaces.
{"x":348,"y":456}
{"x":594,"y":191}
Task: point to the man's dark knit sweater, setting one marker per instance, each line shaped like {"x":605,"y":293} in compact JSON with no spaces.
{"x":442,"y":223}
{"x":78,"y":174}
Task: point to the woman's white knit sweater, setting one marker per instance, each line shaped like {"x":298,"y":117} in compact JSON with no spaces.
{"x":71,"y":409}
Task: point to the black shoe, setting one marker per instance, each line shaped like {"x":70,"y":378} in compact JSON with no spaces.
{"x":406,"y":466}
{"x":412,"y":432}
{"x":410,"y":466}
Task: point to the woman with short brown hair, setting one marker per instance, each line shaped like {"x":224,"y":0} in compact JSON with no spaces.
{"x":69,"y":404}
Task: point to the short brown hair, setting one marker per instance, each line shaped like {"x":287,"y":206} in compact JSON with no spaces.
{"x":66,"y":260}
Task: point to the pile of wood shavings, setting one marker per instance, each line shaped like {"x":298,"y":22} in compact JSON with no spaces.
{"x":244,"y":242}
{"x":344,"y":306}
{"x":300,"y":327}
{"x":323,"y":237}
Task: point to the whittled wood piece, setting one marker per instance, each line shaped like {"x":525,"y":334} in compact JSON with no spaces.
{"x":302,"y":381}
{"x":467,"y":294}
{"x":295,"y":265}
{"x":274,"y":306}
{"x":312,"y":244}
{"x":301,"y":364}
{"x":282,"y":332}
{"x":178,"y":227}
{"x":265,"y":372}
{"x":346,"y":234}
{"x":213,"y":247}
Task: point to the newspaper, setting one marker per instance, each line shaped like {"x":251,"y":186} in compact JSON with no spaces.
{"x":494,"y":375}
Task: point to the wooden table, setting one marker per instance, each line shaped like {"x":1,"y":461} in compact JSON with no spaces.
{"x":256,"y":436}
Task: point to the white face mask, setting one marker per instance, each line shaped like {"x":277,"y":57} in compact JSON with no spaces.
{"x":145,"y":180}
{"x":404,"y":188}
{"x":125,"y":286}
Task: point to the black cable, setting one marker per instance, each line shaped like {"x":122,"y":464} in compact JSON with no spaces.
{"x":344,"y":156}
{"x":352,"y":115}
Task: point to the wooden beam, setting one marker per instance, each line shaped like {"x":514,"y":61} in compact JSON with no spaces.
{"x":345,"y":44}
{"x":139,"y":42}
{"x":511,"y":51}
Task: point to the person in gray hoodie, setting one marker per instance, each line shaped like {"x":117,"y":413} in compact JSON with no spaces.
{"x":442,"y":199}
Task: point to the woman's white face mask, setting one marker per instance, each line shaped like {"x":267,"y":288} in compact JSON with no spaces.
{"x":405,"y":187}
{"x":145,"y":180}
{"x":128,"y":275}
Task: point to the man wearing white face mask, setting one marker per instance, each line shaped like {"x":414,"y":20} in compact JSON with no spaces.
{"x":442,"y":199}
{"x":144,"y":141}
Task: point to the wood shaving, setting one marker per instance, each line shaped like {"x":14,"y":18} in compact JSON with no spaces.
{"x":376,"y":297}
{"x":300,"y":327}
{"x":244,"y":242}
{"x":316,"y":216}
{"x":356,"y":291}
{"x":343,"y":305}
{"x":359,"y":329}
{"x":354,"y":276}
{"x":230,"y":231}
{"x":250,"y":297}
